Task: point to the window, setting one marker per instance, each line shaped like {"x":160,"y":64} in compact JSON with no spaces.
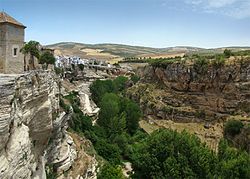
{"x":15,"y":51}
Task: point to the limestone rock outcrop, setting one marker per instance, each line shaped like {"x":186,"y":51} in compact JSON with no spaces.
{"x":29,"y":117}
{"x":179,"y":92}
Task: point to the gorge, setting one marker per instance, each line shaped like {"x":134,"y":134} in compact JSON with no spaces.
{"x":43,"y":132}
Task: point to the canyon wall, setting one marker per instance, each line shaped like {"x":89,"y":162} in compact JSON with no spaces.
{"x":31,"y":122}
{"x":184,"y":93}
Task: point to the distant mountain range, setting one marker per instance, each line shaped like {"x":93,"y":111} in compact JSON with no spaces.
{"x":118,"y":51}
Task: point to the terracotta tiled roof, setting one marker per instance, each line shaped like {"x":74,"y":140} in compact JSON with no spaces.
{"x":5,"y":18}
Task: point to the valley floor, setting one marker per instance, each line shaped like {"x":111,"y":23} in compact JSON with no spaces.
{"x":211,"y":135}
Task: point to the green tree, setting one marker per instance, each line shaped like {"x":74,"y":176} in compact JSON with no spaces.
{"x":31,"y":48}
{"x":110,"y":108}
{"x":227,"y":53}
{"x":233,"y":163}
{"x":110,"y":152}
{"x":47,"y":58}
{"x":133,"y":114}
{"x":110,"y":172}
{"x":169,"y":154}
{"x":120,"y":83}
{"x":98,"y":88}
{"x":117,"y":125}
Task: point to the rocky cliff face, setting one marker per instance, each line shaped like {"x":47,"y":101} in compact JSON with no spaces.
{"x":30,"y":119}
{"x":182,"y":93}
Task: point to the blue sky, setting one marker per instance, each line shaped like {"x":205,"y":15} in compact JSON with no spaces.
{"x":154,"y":23}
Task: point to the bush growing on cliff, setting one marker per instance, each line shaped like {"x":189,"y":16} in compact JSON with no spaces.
{"x":219,"y":61}
{"x":135,"y":78}
{"x":64,"y":106}
{"x":201,"y":65}
{"x":233,"y":127}
{"x":50,"y":173}
{"x":227,"y":53}
{"x":80,"y":122}
{"x":58,"y":70}
{"x":81,"y":67}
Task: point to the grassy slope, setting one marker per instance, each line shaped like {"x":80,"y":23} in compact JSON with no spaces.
{"x":131,"y":51}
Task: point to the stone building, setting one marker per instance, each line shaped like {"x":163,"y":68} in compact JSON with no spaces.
{"x":11,"y":41}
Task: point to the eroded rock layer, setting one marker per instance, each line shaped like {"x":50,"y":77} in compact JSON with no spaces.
{"x":182,"y":93}
{"x":29,"y":105}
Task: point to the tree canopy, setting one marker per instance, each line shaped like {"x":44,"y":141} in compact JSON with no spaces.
{"x":31,"y":48}
{"x":47,"y":58}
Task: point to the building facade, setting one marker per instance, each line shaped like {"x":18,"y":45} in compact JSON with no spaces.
{"x":11,"y":41}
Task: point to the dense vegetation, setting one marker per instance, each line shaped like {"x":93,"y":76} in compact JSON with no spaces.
{"x":163,"y":154}
{"x":116,"y":127}
{"x":169,"y":154}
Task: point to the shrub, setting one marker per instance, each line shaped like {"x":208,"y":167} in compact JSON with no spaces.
{"x":81,"y":67}
{"x":47,"y":58}
{"x":233,"y":127}
{"x":227,"y":53}
{"x":58,"y":70}
{"x":200,"y":114}
{"x":135,"y":78}
{"x":201,"y":65}
{"x":110,"y":172}
{"x":219,"y":61}
{"x":65,"y":107}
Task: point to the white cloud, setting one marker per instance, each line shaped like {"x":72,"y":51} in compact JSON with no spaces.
{"x":220,"y":3}
{"x":234,"y":8}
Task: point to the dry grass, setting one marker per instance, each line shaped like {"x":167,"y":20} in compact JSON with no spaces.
{"x":149,"y":128}
{"x":162,"y":55}
{"x":210,"y":136}
{"x":97,"y":53}
{"x":240,"y":117}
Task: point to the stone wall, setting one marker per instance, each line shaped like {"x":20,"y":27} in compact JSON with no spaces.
{"x":12,"y":36}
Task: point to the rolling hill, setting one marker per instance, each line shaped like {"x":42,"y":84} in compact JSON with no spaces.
{"x":116,"y":52}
